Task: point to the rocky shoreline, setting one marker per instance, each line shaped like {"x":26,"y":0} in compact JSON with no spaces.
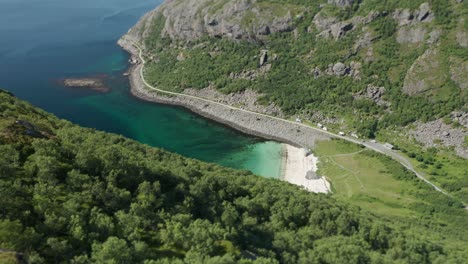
{"x":245,"y":122}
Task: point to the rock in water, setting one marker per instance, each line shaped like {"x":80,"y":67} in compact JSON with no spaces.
{"x":95,"y":84}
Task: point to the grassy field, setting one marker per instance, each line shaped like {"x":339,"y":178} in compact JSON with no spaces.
{"x":361,"y":179}
{"x":440,"y":165}
{"x":380,"y":185}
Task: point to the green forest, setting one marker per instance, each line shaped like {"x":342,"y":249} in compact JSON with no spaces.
{"x":76,"y":195}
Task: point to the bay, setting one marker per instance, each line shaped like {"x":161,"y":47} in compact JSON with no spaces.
{"x":45,"y":40}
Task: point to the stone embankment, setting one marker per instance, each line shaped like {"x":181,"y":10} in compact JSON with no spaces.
{"x":247,"y":122}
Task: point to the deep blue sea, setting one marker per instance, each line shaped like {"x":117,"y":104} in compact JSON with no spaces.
{"x":42,"y":41}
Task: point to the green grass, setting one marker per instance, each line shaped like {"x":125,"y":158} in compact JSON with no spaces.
{"x":441,"y":165}
{"x":361,"y":179}
{"x":380,"y":185}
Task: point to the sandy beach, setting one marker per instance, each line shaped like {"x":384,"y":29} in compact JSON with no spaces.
{"x":297,"y":166}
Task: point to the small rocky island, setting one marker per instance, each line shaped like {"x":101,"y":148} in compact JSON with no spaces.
{"x":92,"y":83}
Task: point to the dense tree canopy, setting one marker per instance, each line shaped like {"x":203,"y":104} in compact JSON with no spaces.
{"x":69,"y":194}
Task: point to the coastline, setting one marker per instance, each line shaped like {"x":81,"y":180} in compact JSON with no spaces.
{"x":293,"y":136}
{"x":245,"y":122}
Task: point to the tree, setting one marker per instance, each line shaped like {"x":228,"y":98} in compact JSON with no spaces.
{"x":113,"y":251}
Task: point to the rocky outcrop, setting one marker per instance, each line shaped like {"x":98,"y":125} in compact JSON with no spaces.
{"x":93,"y":83}
{"x":373,"y":93}
{"x":437,"y":133}
{"x":330,"y":27}
{"x":364,"y":41}
{"x":406,"y":17}
{"x":462,"y":38}
{"x":411,"y":34}
{"x":462,"y":34}
{"x":263,"y":58}
{"x":340,"y":69}
{"x":460,"y":117}
{"x":140,"y":30}
{"x":341,"y":3}
{"x":410,"y":31}
{"x":459,"y":72}
{"x":434,"y":36}
{"x":338,"y":30}
{"x":424,"y":74}
{"x":322,"y":22}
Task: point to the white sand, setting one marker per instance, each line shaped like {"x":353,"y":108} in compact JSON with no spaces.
{"x":296,"y":167}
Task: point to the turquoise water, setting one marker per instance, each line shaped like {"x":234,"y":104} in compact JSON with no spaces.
{"x":44,"y":40}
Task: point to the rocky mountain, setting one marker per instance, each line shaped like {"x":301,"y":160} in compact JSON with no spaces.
{"x":363,"y":66}
{"x":242,"y":19}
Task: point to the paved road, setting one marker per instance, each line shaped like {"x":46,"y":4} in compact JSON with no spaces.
{"x":373,"y":146}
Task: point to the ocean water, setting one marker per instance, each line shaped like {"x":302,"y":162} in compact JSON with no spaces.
{"x":42,"y":41}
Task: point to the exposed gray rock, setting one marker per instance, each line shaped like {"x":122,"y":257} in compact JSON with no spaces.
{"x":317,"y":72}
{"x":434,"y":36}
{"x":424,"y":13}
{"x":459,"y":72}
{"x":330,"y":27}
{"x":462,"y":38}
{"x":263,"y":57}
{"x":339,"y":29}
{"x":355,"y":70}
{"x":359,"y":20}
{"x":323,"y":22}
{"x":251,"y":74}
{"x":406,"y":17}
{"x":319,"y":117}
{"x":240,"y":19}
{"x":341,"y":3}
{"x":437,"y":131}
{"x":424,"y":74}
{"x":373,"y":93}
{"x":403,"y":16}
{"x":460,"y":117}
{"x":364,"y":41}
{"x":340,"y":69}
{"x":411,"y":34}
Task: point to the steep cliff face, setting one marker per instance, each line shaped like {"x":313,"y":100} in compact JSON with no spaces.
{"x":240,"y":19}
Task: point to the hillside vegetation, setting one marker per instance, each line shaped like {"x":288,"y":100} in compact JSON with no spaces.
{"x":370,"y":64}
{"x":75,"y":195}
{"x":393,"y":70}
